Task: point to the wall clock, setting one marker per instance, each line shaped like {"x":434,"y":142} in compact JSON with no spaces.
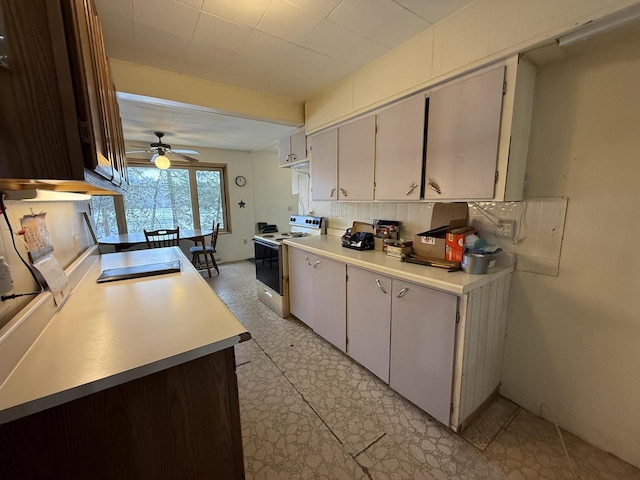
{"x":241,"y":181}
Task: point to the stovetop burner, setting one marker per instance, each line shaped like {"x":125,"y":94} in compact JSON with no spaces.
{"x":267,"y":236}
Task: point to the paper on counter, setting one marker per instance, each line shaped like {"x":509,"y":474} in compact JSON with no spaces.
{"x":55,"y":277}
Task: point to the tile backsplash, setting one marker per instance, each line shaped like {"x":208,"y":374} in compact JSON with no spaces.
{"x":539,"y":227}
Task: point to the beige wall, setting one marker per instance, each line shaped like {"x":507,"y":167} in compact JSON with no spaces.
{"x":151,"y":82}
{"x":272,"y":186}
{"x":483,"y":32}
{"x":574,"y":341}
{"x":64,"y":220}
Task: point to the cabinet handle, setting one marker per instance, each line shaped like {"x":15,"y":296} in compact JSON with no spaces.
{"x":402,"y":292}
{"x":343,"y":192}
{"x":434,"y":186}
{"x":333,"y":190}
{"x":306,"y":257}
{"x":411,"y":189}
{"x":380,"y":286}
{"x":316,"y":263}
{"x":4,"y":57}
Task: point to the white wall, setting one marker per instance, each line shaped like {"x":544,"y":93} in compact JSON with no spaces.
{"x":574,"y":341}
{"x":63,"y":220}
{"x":274,"y":201}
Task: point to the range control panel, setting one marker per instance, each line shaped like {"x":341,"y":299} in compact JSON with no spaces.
{"x":308,"y":222}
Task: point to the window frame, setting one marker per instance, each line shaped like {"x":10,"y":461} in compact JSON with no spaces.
{"x":193,"y":191}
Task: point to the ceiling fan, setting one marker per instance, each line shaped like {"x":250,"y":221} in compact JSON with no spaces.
{"x":162,"y":152}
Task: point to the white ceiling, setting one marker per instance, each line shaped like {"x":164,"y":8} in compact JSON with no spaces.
{"x":288,"y":48}
{"x":189,"y":125}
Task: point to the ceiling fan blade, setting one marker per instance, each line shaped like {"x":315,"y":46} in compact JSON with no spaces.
{"x":184,"y":157}
{"x":190,"y":152}
{"x":140,"y":146}
{"x":153,"y":158}
{"x":138,"y":151}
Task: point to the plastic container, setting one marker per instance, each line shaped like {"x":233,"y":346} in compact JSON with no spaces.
{"x":474,"y":263}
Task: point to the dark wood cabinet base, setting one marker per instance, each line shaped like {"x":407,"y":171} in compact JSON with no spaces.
{"x":180,"y":423}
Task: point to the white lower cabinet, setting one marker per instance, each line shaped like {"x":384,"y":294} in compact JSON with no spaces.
{"x":301,"y":285}
{"x":369,"y":320}
{"x":423,"y":328}
{"x":318,"y":296}
{"x":440,"y":350}
{"x":404,"y":334}
{"x":330,"y":301}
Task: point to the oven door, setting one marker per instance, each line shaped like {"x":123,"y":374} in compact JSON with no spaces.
{"x":268,"y":259}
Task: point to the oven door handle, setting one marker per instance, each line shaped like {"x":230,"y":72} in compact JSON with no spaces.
{"x":265,"y":244}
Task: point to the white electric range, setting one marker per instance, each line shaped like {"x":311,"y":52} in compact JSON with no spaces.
{"x":272,"y":263}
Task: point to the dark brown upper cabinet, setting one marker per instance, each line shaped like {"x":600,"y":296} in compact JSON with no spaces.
{"x":60,"y":126}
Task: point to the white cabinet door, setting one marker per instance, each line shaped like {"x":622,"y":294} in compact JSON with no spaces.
{"x":356,"y":154}
{"x":293,"y":148}
{"x":399,"y":148}
{"x":330,"y":301}
{"x":298,"y":143}
{"x":324,"y":165}
{"x":462,"y":138}
{"x":422,"y":347}
{"x":369,"y":320}
{"x":284,"y":151}
{"x":301,"y":285}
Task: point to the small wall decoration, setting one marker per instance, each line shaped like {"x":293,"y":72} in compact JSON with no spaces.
{"x":241,"y":181}
{"x":241,"y":203}
{"x":36,"y":236}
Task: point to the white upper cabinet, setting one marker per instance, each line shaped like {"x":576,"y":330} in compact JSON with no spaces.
{"x":477,"y":138}
{"x":478,"y":135}
{"x":293,"y":149}
{"x":462,"y":138}
{"x":356,"y":154}
{"x":399,"y":150}
{"x":324,"y":165}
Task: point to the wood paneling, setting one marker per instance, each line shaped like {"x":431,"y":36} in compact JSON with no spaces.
{"x":58,"y":109}
{"x":182,"y":422}
{"x":36,"y":104}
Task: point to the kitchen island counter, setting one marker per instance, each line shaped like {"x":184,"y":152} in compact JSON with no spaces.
{"x":128,"y":379}
{"x":110,"y":333}
{"x":458,"y":283}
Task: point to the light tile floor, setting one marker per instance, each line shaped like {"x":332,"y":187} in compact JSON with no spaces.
{"x":309,"y":412}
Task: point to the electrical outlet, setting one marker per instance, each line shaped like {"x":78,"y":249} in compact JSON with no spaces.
{"x":506,"y":229}
{"x":245,"y":241}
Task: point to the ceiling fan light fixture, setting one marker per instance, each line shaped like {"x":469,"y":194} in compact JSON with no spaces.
{"x":162,"y":162}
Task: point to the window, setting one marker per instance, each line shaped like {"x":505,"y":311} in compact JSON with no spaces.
{"x":158,"y":199}
{"x":185,"y":196}
{"x":104,"y":215}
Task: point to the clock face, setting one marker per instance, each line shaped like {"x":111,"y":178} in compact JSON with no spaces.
{"x":241,"y":181}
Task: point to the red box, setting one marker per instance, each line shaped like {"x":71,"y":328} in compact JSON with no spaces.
{"x":454,"y":244}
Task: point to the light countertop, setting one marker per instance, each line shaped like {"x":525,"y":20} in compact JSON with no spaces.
{"x":457,"y":283}
{"x":110,"y":333}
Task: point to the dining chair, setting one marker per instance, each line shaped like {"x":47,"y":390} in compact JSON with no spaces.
{"x":162,"y":238}
{"x":210,"y":250}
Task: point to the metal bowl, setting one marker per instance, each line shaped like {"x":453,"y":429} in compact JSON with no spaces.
{"x":474,"y":263}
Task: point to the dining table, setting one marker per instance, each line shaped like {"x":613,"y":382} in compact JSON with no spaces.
{"x":125,"y":241}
